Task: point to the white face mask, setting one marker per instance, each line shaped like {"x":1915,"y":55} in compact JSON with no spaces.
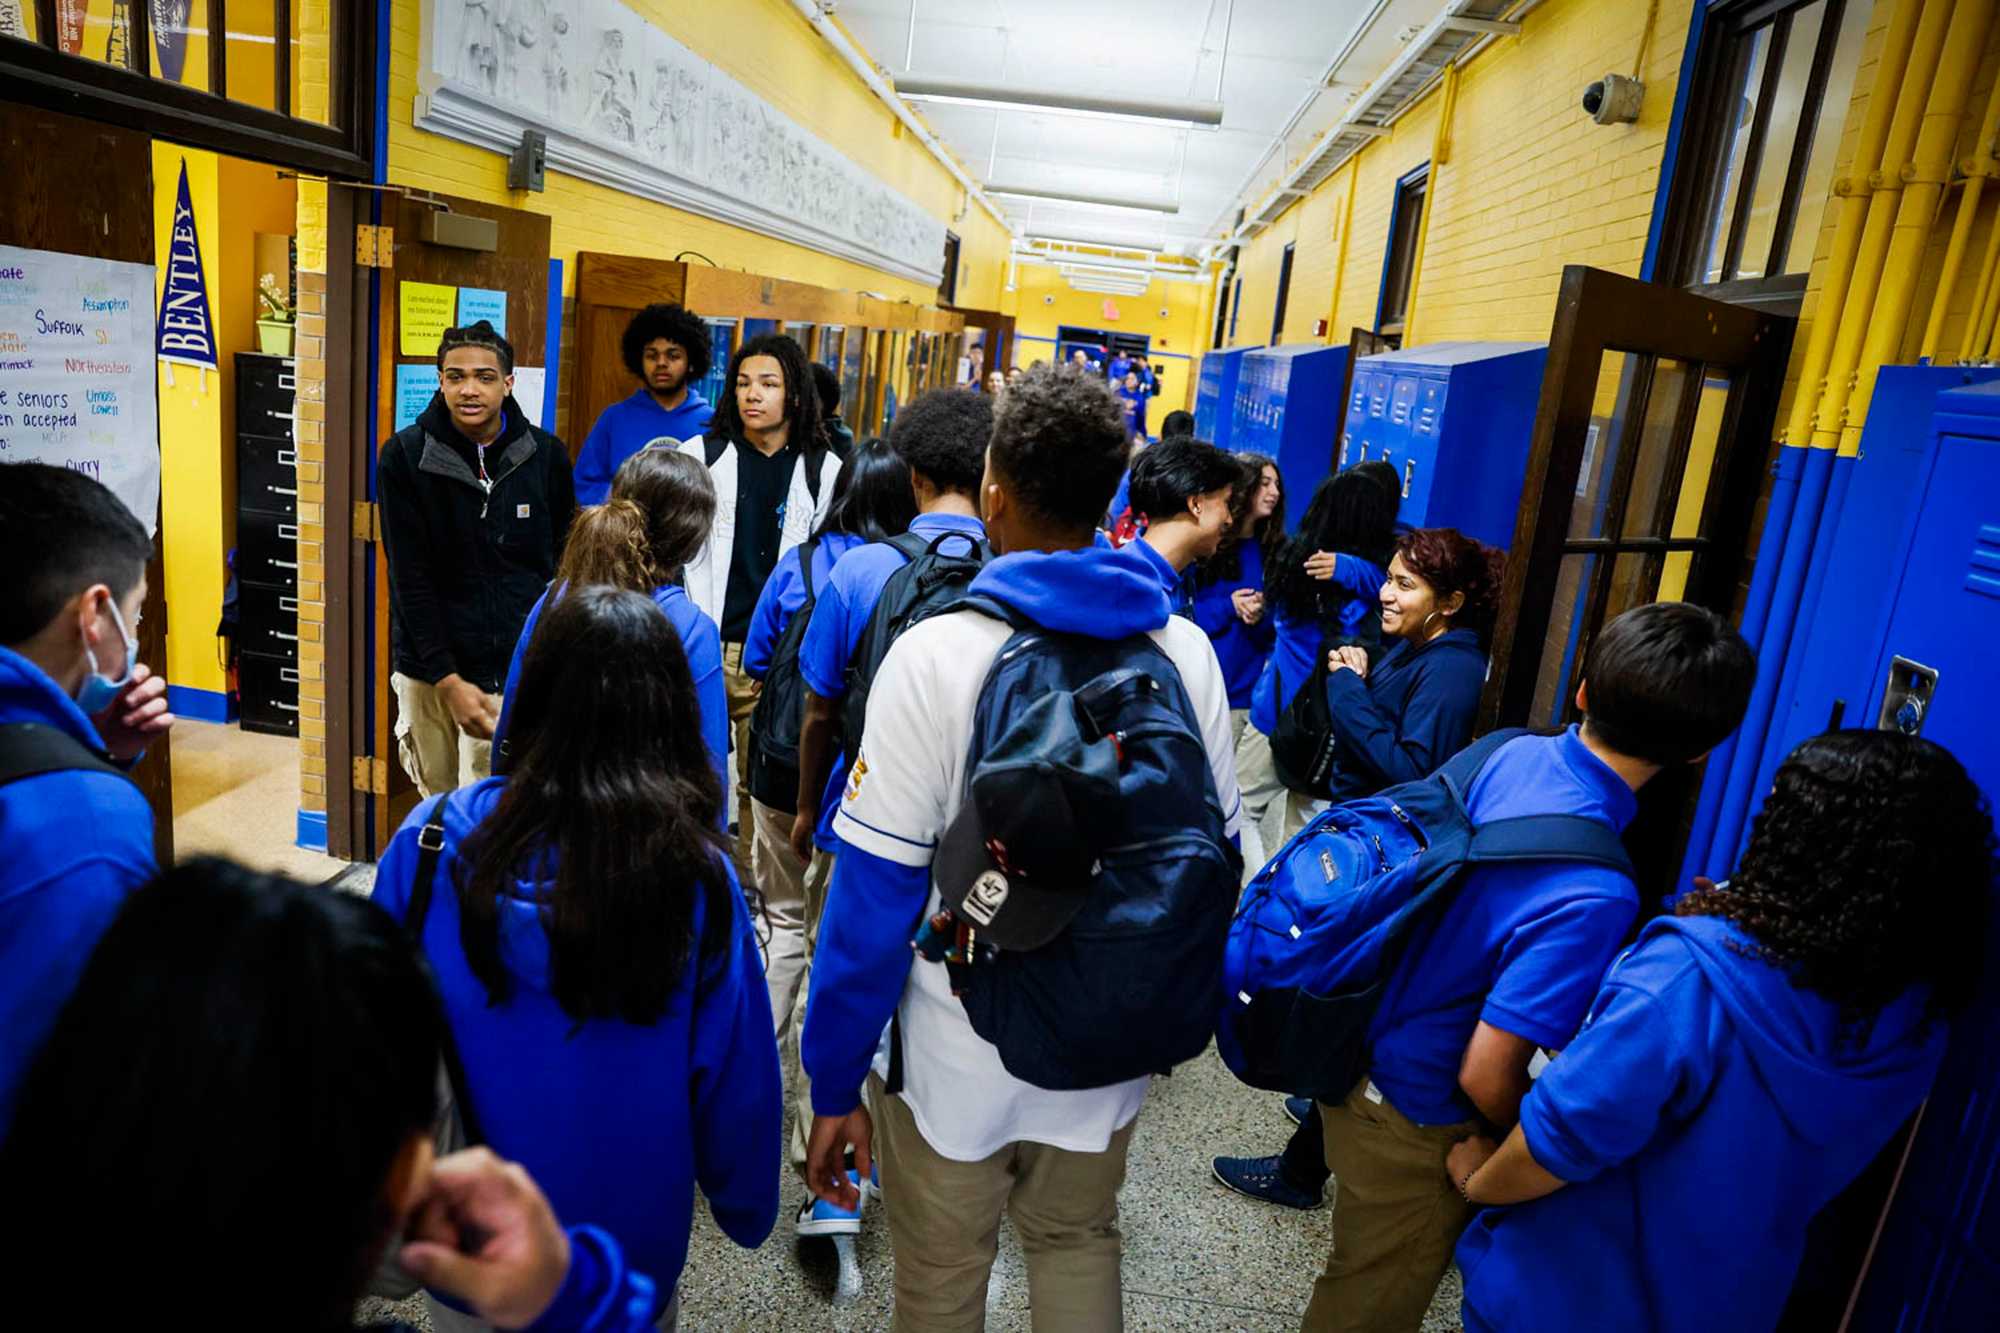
{"x":98,"y":690}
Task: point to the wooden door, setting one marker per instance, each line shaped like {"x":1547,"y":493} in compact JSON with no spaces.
{"x":79,"y":187}
{"x":518,"y":266}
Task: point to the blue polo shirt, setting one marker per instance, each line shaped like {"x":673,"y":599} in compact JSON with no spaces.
{"x":838,"y":619}
{"x":626,"y":427}
{"x":784,"y":593}
{"x":1522,"y":947}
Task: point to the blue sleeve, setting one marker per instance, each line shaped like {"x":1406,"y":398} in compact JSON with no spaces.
{"x":767,"y":622}
{"x":828,"y":643}
{"x":736,"y":1094}
{"x":514,"y":673}
{"x":599,"y":1294}
{"x":595,"y":463}
{"x":859,"y":968}
{"x":398,"y":866}
{"x":1601,"y":1101}
{"x":1215,"y":607}
{"x":1435,"y":724}
{"x":1121,"y":499}
{"x":1551,"y":965}
{"x":703,"y":644}
{"x":1357,"y":577}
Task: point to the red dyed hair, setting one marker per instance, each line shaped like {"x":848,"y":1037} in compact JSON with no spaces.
{"x":1449,"y":561}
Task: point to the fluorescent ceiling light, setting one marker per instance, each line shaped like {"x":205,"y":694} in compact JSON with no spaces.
{"x":1062,"y":101}
{"x":1084,"y":197}
{"x":1106,"y":242}
{"x":1105,"y":270}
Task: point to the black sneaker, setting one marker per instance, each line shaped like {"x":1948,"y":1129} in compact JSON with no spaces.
{"x":1260,"y":1178}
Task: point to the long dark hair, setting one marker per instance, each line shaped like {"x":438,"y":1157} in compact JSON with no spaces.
{"x":610,"y":778}
{"x":1268,"y":533}
{"x":1869,"y":870}
{"x":872,"y":498}
{"x":677,"y":496}
{"x":239,"y":1047}
{"x":804,"y":421}
{"x":1349,"y":514}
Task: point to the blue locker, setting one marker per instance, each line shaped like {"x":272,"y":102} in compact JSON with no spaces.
{"x":1938,"y":1265}
{"x":1456,"y":419}
{"x":1215,"y":395}
{"x":1288,"y":406}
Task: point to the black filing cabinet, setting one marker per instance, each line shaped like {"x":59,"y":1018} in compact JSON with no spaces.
{"x":267,"y":552}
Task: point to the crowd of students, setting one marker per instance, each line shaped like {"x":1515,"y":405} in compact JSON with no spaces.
{"x":997,"y":764}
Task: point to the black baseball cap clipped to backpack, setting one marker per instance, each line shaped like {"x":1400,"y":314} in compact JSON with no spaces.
{"x":1020,"y":856}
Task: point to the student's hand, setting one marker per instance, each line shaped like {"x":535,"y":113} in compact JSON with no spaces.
{"x":486,"y":1234}
{"x":1249,"y":605}
{"x":804,"y":825}
{"x":136,"y":716}
{"x":1467,"y":1156}
{"x":474,"y":710}
{"x":826,"y":1155}
{"x":1320,"y":564}
{"x":1349,"y":658}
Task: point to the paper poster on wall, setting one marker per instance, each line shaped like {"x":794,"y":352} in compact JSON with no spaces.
{"x":414,"y":387}
{"x":529,"y":385}
{"x":426,"y":311}
{"x":477,"y":303}
{"x":76,"y":377}
{"x":186,"y":330}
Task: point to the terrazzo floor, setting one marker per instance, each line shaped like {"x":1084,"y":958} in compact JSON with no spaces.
{"x":1197,"y":1257}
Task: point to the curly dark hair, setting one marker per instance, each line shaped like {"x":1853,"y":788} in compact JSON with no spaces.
{"x":1059,"y":438}
{"x":943,"y":434}
{"x":482,"y":334}
{"x":1870,"y":870}
{"x":1452,"y":562}
{"x":1267,"y":533}
{"x":806,"y":423}
{"x":676,"y":324}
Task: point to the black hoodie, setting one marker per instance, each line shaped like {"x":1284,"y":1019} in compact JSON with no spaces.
{"x":466,"y":564}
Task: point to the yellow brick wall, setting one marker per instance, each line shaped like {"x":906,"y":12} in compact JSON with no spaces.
{"x":309,"y":425}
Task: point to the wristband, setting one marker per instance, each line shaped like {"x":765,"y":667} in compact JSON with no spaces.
{"x":1465,"y":1182}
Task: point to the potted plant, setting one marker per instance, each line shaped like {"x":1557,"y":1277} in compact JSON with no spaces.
{"x":274,"y":325}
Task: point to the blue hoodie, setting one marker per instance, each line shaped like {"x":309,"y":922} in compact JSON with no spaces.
{"x":863,"y":956}
{"x":626,"y":427}
{"x":616,"y":1122}
{"x":1357,"y":584}
{"x":76,"y":844}
{"x":784,"y":593}
{"x":1707,"y":1111}
{"x":700,"y":640}
{"x":1241,"y":649}
{"x":1414,"y":711}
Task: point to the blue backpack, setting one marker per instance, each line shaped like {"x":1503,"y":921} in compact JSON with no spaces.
{"x":1323,"y":926}
{"x":1128,"y":987}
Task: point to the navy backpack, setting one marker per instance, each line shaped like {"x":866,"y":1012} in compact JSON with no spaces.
{"x":930,"y":580}
{"x":1322,"y":927}
{"x":1127,"y":989}
{"x":776,"y":719}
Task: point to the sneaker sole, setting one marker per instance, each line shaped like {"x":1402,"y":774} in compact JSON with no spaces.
{"x":837,"y":1227}
{"x":1234,"y":1188}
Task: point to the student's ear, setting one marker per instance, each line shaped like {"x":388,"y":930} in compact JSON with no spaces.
{"x":1454,"y":604}
{"x":1583,"y":697}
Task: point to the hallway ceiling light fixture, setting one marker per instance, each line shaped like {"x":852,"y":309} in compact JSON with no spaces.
{"x":1107,"y":242}
{"x":1195,"y":114}
{"x":1083,"y":197}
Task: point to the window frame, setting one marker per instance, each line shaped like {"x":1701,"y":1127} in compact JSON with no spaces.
{"x":1284,"y":293}
{"x":1403,"y":222}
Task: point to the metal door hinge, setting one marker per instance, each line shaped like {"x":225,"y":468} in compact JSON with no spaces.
{"x":367,"y":522}
{"x":375,"y":247}
{"x":371,"y":775}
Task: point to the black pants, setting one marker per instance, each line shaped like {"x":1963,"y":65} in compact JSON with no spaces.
{"x":1303,"y":1164}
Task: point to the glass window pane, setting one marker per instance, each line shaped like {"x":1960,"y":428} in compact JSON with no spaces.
{"x":1657,"y":454}
{"x":180,"y":42}
{"x":252,"y":52}
{"x":1782,"y":131}
{"x":102,"y":30}
{"x":1826,"y":133}
{"x":1402,"y":252}
{"x":313,"y":25}
{"x":1593,"y":478}
{"x":1688,"y":514}
{"x":1559,"y":646}
{"x":1740,"y":109}
{"x":17,"y":19}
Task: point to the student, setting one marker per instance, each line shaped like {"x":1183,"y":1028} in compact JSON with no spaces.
{"x":839,"y":437}
{"x":1134,"y":397}
{"x":1014,"y":374}
{"x":326,"y":1057}
{"x":661,"y":509}
{"x":773,"y":471}
{"x":597,"y":965}
{"x":1324,"y":585}
{"x":1183,"y":487}
{"x":996,"y":383}
{"x":1123,"y":522}
{"x":1746,"y":1059}
{"x":1177,"y":423}
{"x":872,"y":502}
{"x":475,"y":504}
{"x":1228,"y":587}
{"x":78,"y":839}
{"x":965,"y":1140}
{"x":1511,"y":964}
{"x":667,"y":349}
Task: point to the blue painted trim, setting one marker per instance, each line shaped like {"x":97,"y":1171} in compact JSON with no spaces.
{"x":200,"y":705}
{"x":1389,"y":250}
{"x":312,"y":830}
{"x":1663,"y":187}
{"x":1038,"y":338}
{"x":552,"y":342}
{"x":384,"y":39}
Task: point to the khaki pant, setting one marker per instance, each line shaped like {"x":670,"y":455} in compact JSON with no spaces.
{"x":435,"y":753}
{"x":944,"y":1225}
{"x":1396,"y":1217}
{"x":742,"y":691}
{"x":818,"y":876}
{"x":1263,"y":797}
{"x":778,"y":909}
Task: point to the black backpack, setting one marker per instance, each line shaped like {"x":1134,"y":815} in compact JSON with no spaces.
{"x":776,"y":720}
{"x":30,"y":749}
{"x":931,"y":581}
{"x":1302,"y":746}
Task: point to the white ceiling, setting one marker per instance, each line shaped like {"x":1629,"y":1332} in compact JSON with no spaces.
{"x":1278,"y":55}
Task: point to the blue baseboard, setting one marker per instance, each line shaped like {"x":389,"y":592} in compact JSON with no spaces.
{"x":312,"y":830}
{"x":201,"y":705}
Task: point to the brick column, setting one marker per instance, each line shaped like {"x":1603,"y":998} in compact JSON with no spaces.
{"x":309,"y":430}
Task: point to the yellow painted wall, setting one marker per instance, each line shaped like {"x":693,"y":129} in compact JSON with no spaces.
{"x":1045,"y":300}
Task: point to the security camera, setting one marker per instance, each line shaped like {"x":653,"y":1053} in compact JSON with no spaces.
{"x":1614,"y":99}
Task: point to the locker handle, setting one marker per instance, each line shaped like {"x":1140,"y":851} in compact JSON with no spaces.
{"x":282,"y":490}
{"x":288,"y":604}
{"x":289,"y":674}
{"x":289,"y":531}
{"x":281,"y":416}
{"x":285,"y":564}
{"x":1364,"y":453}
{"x":288,"y":458}
{"x":288,"y":638}
{"x":289,"y":708}
{"x":1409,"y":474}
{"x":288,"y":381}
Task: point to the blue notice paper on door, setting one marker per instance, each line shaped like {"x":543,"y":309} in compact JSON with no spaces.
{"x":477,"y":303}
{"x":414,"y":387}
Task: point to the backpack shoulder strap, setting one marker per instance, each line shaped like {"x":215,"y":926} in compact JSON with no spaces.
{"x":430,"y":851}
{"x":994,"y":609}
{"x":806,"y":550}
{"x":812,"y":460}
{"x":912,"y":544}
{"x":1459,"y":771}
{"x":712,"y":447}
{"x":1550,"y":838}
{"x":30,"y":749}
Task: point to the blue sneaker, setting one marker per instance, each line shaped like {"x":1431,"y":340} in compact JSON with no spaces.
{"x":1298,"y":1108}
{"x":817,"y":1217}
{"x":1260,"y":1179}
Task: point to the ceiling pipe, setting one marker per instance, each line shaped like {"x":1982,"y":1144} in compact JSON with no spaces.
{"x":936,"y":88}
{"x":1083,"y":197}
{"x":865,"y":70}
